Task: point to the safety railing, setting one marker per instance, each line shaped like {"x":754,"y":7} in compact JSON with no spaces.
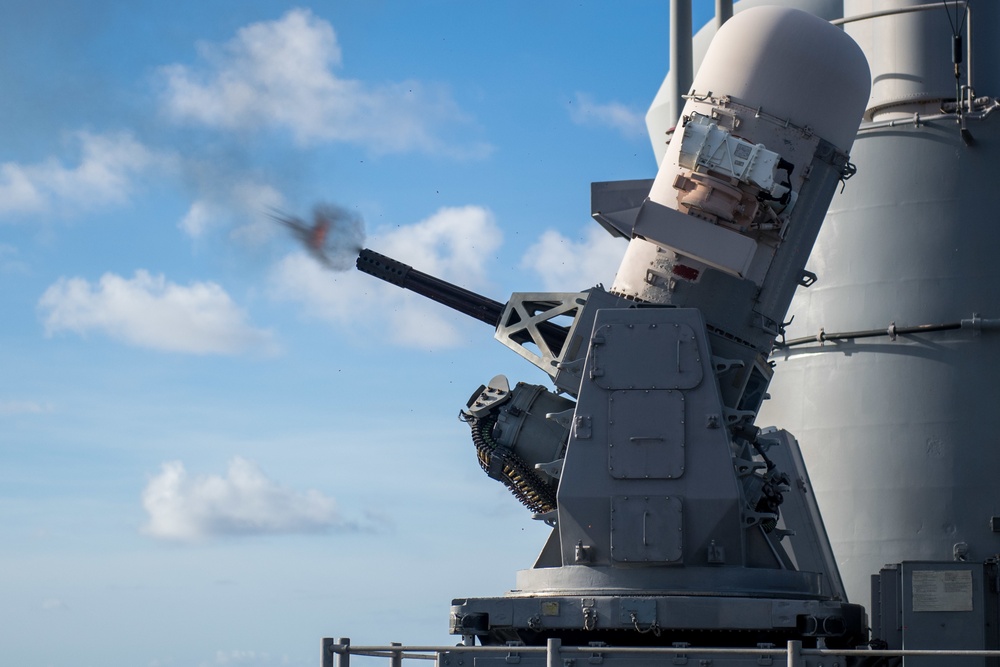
{"x":338,"y":653}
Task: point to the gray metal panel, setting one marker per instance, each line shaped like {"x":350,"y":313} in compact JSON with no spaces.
{"x":800,"y":513}
{"x":719,"y":247}
{"x":647,"y":529}
{"x":943,"y":607}
{"x":910,"y":54}
{"x":886,"y":608}
{"x":637,"y":610}
{"x":911,"y":246}
{"x":712,"y":496}
{"x":615,"y":204}
{"x":678,"y":611}
{"x":763,"y":584}
{"x":673,"y":345}
{"x":894,"y":433}
{"x":460,"y":658}
{"x":784,"y":273}
{"x":657,"y":451}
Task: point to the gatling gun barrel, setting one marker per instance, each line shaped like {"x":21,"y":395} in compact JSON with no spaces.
{"x":457,"y":298}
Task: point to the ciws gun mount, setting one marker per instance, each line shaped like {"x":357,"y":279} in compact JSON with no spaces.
{"x":675,"y":519}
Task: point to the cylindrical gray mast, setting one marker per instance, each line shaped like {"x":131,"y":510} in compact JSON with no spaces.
{"x":680,"y":51}
{"x":723,"y":12}
{"x":899,"y":434}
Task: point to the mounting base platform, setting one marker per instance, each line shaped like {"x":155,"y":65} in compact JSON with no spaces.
{"x":654,"y":620}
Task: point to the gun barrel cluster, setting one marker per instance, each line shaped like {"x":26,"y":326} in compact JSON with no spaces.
{"x":457,"y":298}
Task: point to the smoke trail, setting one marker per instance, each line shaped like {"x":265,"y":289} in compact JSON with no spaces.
{"x":346,"y":235}
{"x":335,"y":237}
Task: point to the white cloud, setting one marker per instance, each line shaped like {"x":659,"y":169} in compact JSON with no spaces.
{"x":241,"y":206}
{"x":617,"y":116}
{"x":279,"y":74}
{"x":23,"y":408}
{"x":197,"y":220}
{"x":244,"y":502}
{"x":570,"y":266}
{"x":105,"y":175}
{"x":453,"y":244}
{"x":149,"y":311}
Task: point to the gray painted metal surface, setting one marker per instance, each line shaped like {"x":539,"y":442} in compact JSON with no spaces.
{"x":897,"y":433}
{"x":936,"y":605}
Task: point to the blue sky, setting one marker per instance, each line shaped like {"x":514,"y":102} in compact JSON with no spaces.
{"x":214,"y":451}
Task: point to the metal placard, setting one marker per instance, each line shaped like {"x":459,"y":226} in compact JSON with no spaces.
{"x":942,"y":590}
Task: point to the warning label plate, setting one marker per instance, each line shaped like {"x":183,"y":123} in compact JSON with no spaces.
{"x":942,"y":590}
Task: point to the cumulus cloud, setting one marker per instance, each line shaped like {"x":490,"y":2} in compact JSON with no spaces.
{"x":183,"y":507}
{"x":239,"y":206}
{"x":105,"y":174}
{"x":280,"y":74}
{"x":149,"y":311}
{"x":453,"y":244}
{"x":565,"y":265}
{"x":615,"y":115}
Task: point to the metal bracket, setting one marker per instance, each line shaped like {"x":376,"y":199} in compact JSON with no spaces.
{"x":808,"y":278}
{"x":552,"y":469}
{"x":721,"y":364}
{"x":680,"y":658}
{"x":564,"y":418}
{"x":751,"y":518}
{"x":589,"y":614}
{"x":781,"y":533}
{"x":548,"y":518}
{"x":574,"y":367}
{"x":525,"y":318}
{"x":746,"y":467}
{"x":513,"y":657}
{"x":495,"y":393}
{"x":734,"y":417}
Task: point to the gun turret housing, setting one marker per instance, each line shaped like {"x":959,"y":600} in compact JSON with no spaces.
{"x":673,"y":516}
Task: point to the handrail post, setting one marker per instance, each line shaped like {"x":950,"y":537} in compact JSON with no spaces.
{"x":795,"y":653}
{"x":327,"y":652}
{"x":397,"y":656}
{"x":344,"y":654}
{"x":553,"y":648}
